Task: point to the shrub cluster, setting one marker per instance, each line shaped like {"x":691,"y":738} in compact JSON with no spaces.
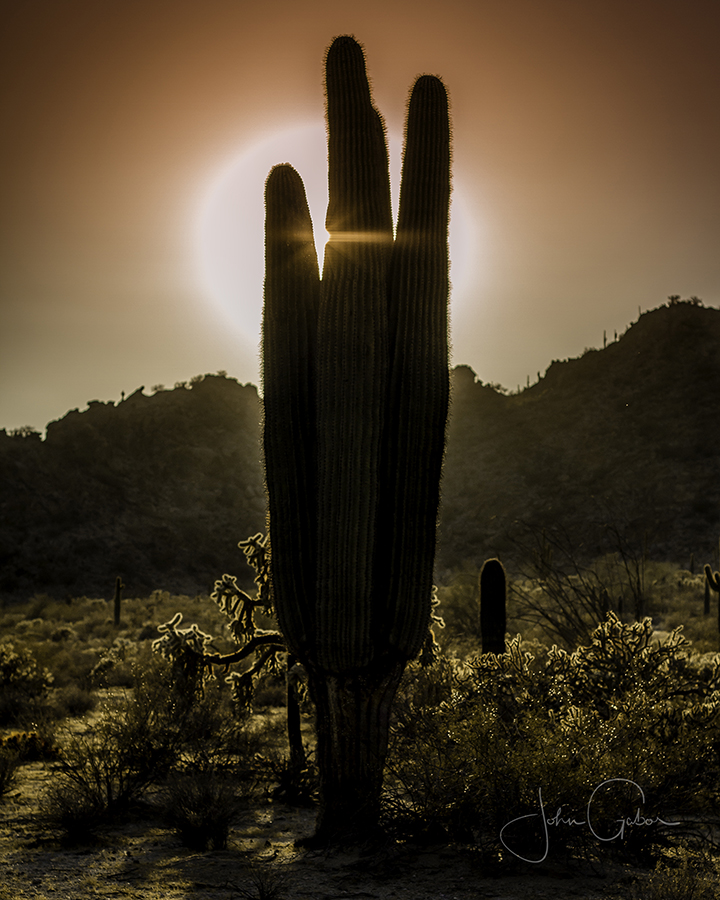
{"x":135,"y":745}
{"x":201,"y":804}
{"x":23,"y":684}
{"x":523,"y":729}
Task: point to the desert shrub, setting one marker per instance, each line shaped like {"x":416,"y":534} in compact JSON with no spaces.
{"x":680,"y":601}
{"x":565,"y":591}
{"x":267,"y":884}
{"x":201,"y":805}
{"x":684,"y":875}
{"x":270,"y":690}
{"x":294,"y":782}
{"x":460,"y":610}
{"x":102,"y":771}
{"x":9,"y":762}
{"x":116,"y":665}
{"x":139,"y":738}
{"x":69,"y":662}
{"x":519,"y":730}
{"x":73,"y":700}
{"x":30,"y":746}
{"x":23,"y":684}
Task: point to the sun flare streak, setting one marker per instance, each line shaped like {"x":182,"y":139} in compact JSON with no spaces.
{"x":229,"y":240}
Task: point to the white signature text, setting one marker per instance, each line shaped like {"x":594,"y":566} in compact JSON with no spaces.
{"x":596,"y":828}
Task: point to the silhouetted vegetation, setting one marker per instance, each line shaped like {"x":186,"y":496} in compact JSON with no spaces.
{"x":355,"y":397}
{"x":475,"y":736}
{"x":150,"y":489}
{"x":493,"y":600}
{"x":475,"y":742}
{"x":157,"y":489}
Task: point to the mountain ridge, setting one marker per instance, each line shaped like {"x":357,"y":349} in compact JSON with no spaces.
{"x":160,"y":488}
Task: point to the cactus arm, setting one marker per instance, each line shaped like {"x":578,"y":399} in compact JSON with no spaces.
{"x":713,"y":579}
{"x":359,"y":205}
{"x":352,"y":361}
{"x":272,"y":640}
{"x":292,"y":288}
{"x":419,"y":365}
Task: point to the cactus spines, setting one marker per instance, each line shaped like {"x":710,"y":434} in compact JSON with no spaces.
{"x":493,"y":594}
{"x":356,"y":385}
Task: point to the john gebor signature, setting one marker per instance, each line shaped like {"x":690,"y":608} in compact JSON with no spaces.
{"x":606,"y":831}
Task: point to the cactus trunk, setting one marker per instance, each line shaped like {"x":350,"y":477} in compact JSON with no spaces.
{"x":352,"y":724}
{"x":355,"y":396}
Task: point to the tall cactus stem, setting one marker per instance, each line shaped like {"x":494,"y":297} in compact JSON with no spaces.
{"x":493,"y":599}
{"x":117,"y":600}
{"x":356,"y":389}
{"x":292,"y":292}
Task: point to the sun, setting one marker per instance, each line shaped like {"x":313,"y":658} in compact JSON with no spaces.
{"x":230,"y":243}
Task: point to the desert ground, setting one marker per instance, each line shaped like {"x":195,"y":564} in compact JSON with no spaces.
{"x":144,"y":860}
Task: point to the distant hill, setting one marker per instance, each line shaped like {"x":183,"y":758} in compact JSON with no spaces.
{"x":159,"y":489}
{"x":628,"y":436}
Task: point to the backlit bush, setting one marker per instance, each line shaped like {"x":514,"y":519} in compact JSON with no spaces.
{"x":519,"y":728}
{"x":23,"y":684}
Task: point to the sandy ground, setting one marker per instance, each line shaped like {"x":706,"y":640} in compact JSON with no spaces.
{"x":144,"y":859}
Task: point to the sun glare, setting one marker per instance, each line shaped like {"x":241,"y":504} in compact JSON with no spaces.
{"x":230,"y":226}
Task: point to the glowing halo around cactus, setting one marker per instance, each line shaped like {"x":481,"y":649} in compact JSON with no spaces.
{"x":230,"y":244}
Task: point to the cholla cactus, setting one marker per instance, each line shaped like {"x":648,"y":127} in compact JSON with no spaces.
{"x":185,"y":648}
{"x":355,"y":395}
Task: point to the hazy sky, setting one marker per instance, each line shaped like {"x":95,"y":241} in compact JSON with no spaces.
{"x":136,"y":136}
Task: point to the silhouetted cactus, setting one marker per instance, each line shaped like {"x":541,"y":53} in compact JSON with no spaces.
{"x":712,"y":579}
{"x":493,"y":597}
{"x":117,"y":602}
{"x":355,"y":395}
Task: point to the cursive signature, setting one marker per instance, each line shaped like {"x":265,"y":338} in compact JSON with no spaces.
{"x":595,"y":827}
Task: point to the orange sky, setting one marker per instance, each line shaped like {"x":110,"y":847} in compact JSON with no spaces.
{"x":586,"y":136}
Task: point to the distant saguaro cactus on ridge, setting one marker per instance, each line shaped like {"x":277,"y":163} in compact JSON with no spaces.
{"x":356,"y":388}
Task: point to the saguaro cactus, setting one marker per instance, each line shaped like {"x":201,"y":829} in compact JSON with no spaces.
{"x":356,"y":387}
{"x":712,"y":580}
{"x":493,"y":620}
{"x":117,"y":600}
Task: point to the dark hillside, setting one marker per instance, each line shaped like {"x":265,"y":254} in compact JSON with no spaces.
{"x":630,"y":433}
{"x":159,"y":489}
